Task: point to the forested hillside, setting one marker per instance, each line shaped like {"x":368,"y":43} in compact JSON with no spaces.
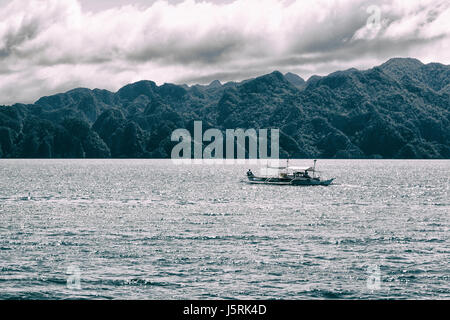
{"x":397,"y":110}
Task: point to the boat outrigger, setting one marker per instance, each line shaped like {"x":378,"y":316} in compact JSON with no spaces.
{"x":289,"y":175}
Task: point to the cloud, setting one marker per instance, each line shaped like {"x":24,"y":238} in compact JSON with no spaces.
{"x":47,"y":46}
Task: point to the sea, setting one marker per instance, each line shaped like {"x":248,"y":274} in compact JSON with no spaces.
{"x":152,"y":229}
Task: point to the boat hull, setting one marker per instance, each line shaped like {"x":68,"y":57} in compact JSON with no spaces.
{"x":312,"y":182}
{"x":291,"y":182}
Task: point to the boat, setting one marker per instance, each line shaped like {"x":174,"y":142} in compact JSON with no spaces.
{"x":290,"y":175}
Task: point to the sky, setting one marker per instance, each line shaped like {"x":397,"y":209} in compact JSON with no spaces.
{"x":51,"y":46}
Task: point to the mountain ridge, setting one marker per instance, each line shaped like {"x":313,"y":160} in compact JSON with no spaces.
{"x":399,"y":109}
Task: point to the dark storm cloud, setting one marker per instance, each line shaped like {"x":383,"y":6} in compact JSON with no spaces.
{"x":53,"y":44}
{"x":14,"y":38}
{"x":211,"y":49}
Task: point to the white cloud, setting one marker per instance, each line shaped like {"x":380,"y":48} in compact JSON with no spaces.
{"x":48,"y":46}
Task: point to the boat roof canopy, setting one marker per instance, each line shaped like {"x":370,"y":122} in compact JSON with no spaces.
{"x":296,"y":169}
{"x":302,"y":169}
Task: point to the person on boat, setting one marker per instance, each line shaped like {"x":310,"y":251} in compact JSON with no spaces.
{"x":249,"y":173}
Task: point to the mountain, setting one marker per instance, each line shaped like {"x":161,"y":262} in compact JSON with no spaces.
{"x":294,"y":79}
{"x":400,"y":109}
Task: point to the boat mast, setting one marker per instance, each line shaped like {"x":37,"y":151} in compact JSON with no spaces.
{"x":314,"y":170}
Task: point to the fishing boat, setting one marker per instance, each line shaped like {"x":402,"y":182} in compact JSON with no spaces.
{"x":290,"y":175}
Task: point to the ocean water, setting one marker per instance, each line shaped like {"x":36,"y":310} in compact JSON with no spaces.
{"x":148,"y":229}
